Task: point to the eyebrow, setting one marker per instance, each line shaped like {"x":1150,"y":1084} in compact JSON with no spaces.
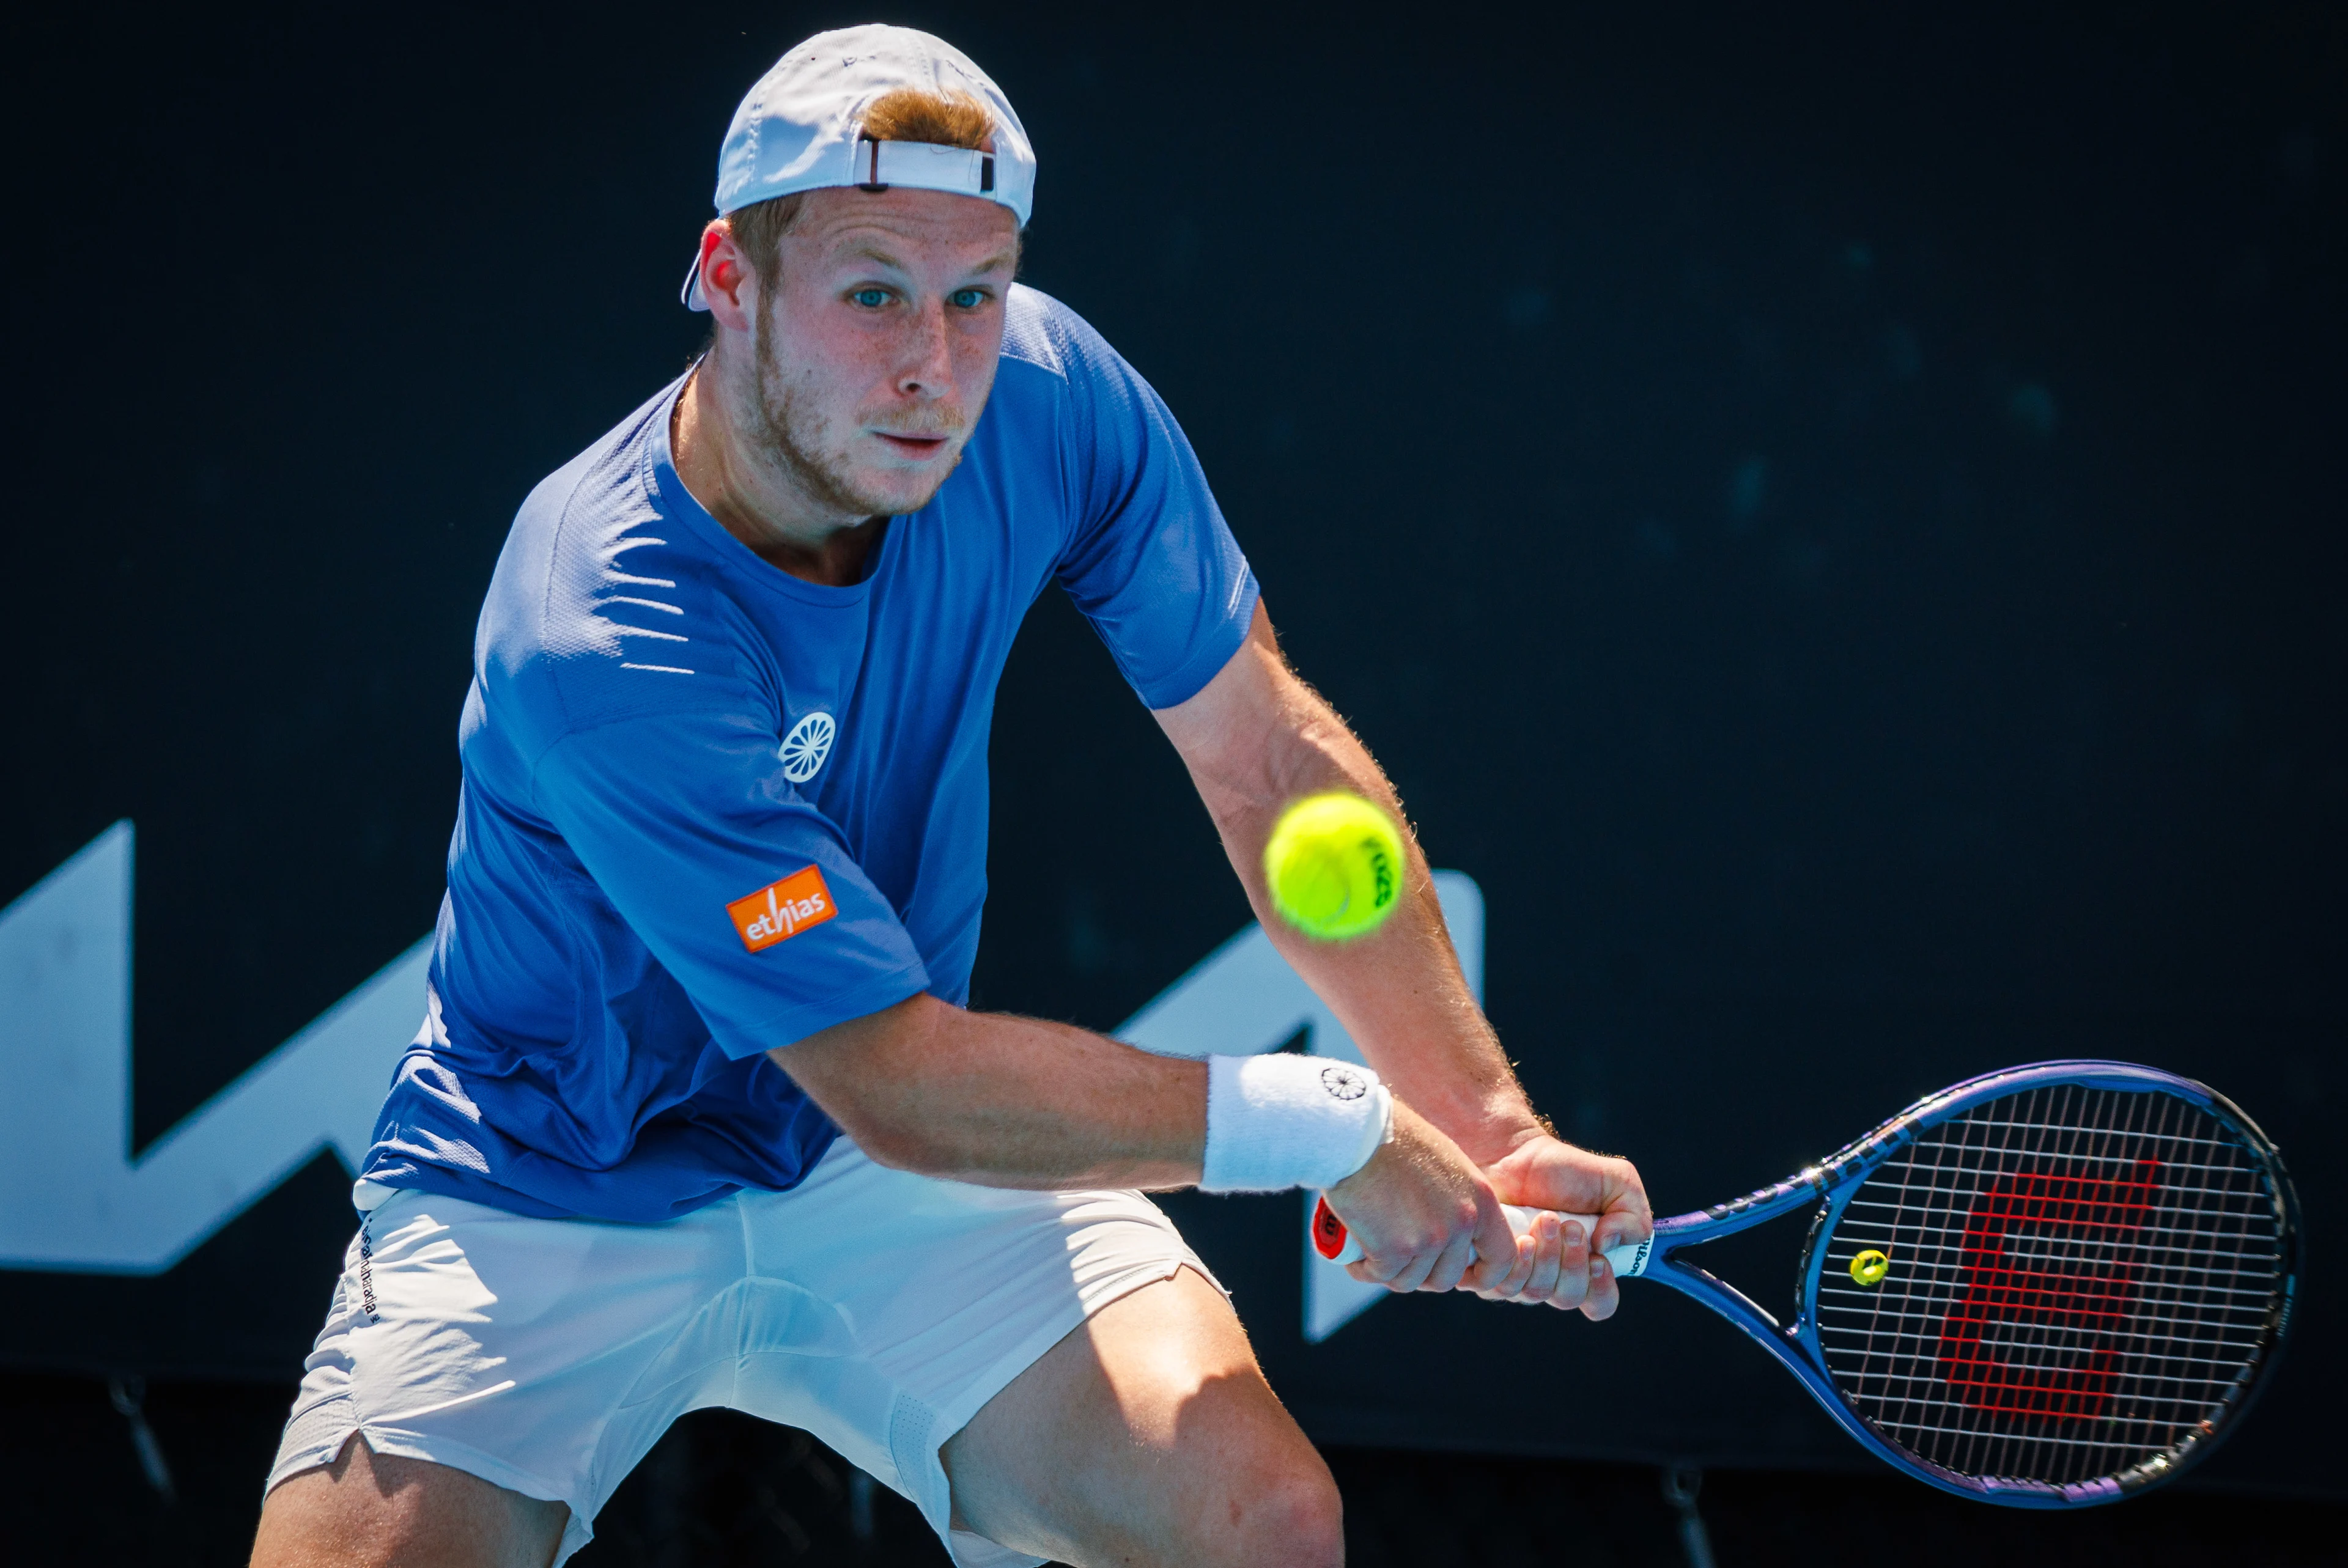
{"x":1000,"y":260}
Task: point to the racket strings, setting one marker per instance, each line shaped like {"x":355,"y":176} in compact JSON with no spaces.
{"x":2079,"y":1282}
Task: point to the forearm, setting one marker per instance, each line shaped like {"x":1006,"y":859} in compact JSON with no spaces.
{"x":1005,"y":1102}
{"x":1398,"y":991}
{"x":1401,"y":998}
{"x":1254,"y":748}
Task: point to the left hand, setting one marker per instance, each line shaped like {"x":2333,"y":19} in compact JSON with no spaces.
{"x":1558,"y":1264}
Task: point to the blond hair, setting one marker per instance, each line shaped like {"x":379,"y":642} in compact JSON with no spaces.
{"x":906,"y":114}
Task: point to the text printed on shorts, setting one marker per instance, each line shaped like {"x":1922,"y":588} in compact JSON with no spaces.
{"x":781,"y":910}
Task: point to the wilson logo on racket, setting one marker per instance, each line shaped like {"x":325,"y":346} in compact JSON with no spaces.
{"x":2047,"y":1275}
{"x":2048,"y":1286}
{"x":781,"y":910}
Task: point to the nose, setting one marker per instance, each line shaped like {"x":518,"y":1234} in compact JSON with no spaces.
{"x":926,"y":370}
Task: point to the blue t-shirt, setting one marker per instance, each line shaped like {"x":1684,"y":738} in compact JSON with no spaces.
{"x":710,"y":808}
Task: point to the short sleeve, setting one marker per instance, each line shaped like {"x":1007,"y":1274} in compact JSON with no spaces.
{"x":1149,"y":562}
{"x":743,"y":891}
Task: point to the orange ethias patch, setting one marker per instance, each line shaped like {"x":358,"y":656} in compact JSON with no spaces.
{"x":781,"y":910}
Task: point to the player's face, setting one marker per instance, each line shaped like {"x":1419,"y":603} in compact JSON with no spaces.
{"x":878,"y":346}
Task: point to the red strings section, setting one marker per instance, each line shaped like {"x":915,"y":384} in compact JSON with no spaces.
{"x":2043,"y":1292}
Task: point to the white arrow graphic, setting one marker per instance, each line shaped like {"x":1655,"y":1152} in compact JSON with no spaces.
{"x":72,"y":1200}
{"x":1243,"y":1000}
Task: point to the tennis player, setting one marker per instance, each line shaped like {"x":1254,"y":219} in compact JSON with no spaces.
{"x":697,"y":1116}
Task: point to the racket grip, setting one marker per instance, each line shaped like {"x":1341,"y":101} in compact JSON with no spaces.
{"x":1332,"y":1241}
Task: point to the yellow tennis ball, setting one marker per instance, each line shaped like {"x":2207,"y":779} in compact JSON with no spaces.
{"x":1335,"y":862}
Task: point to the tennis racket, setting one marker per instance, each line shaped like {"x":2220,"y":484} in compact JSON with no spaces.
{"x":2050,"y":1286}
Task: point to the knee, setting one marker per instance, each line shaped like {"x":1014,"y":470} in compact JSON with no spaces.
{"x":1289,"y":1517}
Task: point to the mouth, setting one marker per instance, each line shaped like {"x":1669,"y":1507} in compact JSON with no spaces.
{"x":916,"y":447}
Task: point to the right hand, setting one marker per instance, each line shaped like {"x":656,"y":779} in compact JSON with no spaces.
{"x":1425,"y":1216}
{"x":1544,"y":1174}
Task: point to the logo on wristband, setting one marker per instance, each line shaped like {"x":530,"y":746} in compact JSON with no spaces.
{"x":1343,"y":1084}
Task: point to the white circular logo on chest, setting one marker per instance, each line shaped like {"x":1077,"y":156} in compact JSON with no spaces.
{"x":805,"y":748}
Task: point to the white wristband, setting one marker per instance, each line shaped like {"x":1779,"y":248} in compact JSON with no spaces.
{"x":1279,"y":1121}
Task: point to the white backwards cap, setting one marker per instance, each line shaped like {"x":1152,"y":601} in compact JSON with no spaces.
{"x":798,"y":129}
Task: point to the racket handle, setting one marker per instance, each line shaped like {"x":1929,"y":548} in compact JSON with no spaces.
{"x":1332,"y":1241}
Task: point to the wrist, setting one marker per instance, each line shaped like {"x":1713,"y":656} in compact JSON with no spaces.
{"x":1492,"y":1132}
{"x":1278,"y":1122}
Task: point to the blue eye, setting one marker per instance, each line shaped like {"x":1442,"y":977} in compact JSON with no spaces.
{"x":967,"y":299}
{"x":871,"y":298}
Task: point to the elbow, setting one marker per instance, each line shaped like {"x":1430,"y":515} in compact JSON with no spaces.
{"x":889,"y":1142}
{"x":867,"y":1076}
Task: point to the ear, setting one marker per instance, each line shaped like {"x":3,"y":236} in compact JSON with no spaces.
{"x":728,"y":285}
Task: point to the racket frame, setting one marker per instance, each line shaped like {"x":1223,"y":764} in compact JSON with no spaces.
{"x":1833,"y":1182}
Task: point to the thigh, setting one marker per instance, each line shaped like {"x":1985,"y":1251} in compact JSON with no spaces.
{"x":1146,"y":1436}
{"x":949,"y":1292}
{"x":478,"y":1354}
{"x":367,"y":1508}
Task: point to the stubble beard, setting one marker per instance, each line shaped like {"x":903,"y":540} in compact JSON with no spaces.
{"x":788,"y":435}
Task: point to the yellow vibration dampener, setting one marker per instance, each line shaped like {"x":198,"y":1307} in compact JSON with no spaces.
{"x":1869,"y":1267}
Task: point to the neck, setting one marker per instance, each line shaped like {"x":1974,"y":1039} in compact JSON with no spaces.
{"x":781,"y":525}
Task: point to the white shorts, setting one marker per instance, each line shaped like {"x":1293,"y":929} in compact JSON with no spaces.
{"x":876,"y":1309}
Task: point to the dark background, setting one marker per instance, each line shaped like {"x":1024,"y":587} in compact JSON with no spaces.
{"x":1831,"y":514}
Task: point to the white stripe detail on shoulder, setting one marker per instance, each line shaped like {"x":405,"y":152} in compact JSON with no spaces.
{"x":661,"y":669}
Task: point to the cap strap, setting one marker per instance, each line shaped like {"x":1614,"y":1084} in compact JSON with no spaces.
{"x":923,"y":166}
